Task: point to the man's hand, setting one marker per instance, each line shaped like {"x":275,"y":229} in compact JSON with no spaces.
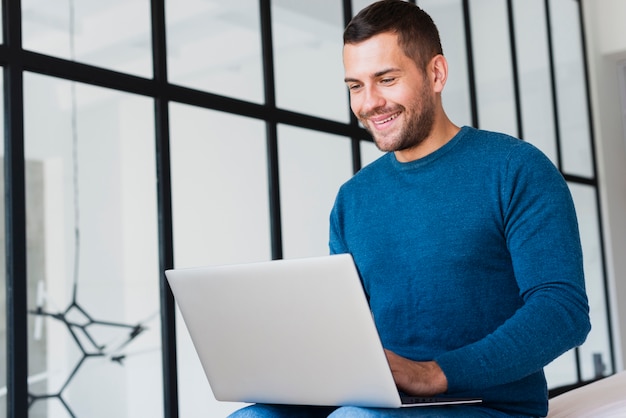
{"x":418,"y":378}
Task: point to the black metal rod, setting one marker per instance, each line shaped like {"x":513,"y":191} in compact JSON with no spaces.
{"x":166,"y":261}
{"x":355,"y":141}
{"x":515,"y":70}
{"x":554,"y":93}
{"x":15,"y":217}
{"x":164,"y":203}
{"x":471,"y":73}
{"x":271,"y":131}
{"x":88,"y":74}
{"x":15,"y":227}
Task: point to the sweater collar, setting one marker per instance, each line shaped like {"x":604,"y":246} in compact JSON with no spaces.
{"x":433,"y":156}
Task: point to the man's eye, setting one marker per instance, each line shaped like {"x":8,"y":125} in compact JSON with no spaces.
{"x":353,"y":87}
{"x":387,"y":80}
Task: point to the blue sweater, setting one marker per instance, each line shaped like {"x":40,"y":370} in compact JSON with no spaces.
{"x":471,"y":257}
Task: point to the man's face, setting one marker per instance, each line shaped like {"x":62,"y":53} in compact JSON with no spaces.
{"x":391,"y":97}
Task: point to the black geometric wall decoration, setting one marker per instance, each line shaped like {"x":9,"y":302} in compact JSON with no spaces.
{"x":78,"y":323}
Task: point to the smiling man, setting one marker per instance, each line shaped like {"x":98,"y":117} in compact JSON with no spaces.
{"x":466,"y":240}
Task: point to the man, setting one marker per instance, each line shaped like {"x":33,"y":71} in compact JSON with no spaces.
{"x":466,"y":241}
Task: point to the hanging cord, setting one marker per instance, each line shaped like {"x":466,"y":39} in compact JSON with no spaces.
{"x":74,"y":128}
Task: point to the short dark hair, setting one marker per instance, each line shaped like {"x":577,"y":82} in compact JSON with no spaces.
{"x":417,"y":33}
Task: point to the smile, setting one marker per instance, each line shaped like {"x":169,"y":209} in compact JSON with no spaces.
{"x":390,"y":118}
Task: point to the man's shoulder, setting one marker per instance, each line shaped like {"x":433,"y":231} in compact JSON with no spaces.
{"x":368,"y":178}
{"x":490,"y":138}
{"x":502,"y":144}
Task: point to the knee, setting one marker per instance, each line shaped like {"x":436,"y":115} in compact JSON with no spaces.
{"x":352,"y":412}
{"x":252,"y":411}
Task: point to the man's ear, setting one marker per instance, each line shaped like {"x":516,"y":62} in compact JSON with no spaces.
{"x":439,"y":72}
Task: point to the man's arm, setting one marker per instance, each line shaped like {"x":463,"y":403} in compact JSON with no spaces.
{"x":541,"y":231}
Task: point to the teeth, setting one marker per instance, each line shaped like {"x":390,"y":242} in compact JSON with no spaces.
{"x":387,"y":120}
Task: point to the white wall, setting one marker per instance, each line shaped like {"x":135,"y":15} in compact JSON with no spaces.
{"x":606,"y":47}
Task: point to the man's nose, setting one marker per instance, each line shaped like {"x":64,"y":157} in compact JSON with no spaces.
{"x":373,"y":99}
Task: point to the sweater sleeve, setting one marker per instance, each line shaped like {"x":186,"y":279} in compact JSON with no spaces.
{"x":336,"y":243}
{"x":542,"y":236}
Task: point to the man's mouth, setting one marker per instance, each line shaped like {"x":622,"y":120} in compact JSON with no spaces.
{"x":388,"y":119}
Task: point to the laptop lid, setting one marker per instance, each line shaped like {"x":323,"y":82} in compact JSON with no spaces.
{"x":287,"y":331}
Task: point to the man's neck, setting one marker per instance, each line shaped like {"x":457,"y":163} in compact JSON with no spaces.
{"x":441,"y":134}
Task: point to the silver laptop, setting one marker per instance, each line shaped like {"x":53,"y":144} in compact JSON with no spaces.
{"x":288,"y":332}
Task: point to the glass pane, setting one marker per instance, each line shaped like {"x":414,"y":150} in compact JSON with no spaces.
{"x":448,"y":16}
{"x":369,"y":152}
{"x":307,"y":53}
{"x":571,"y":88}
{"x":358,"y":5}
{"x":562,"y":371}
{"x":312,"y":167}
{"x":215,"y":47}
{"x":114,"y":34}
{"x":221,"y":215}
{"x":494,"y":76}
{"x":595,"y":352}
{"x":93,"y":268}
{"x":533,"y":59}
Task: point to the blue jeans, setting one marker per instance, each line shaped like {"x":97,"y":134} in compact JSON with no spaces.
{"x":289,"y":411}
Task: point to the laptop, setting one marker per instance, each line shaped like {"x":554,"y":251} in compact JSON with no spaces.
{"x":295,"y":331}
